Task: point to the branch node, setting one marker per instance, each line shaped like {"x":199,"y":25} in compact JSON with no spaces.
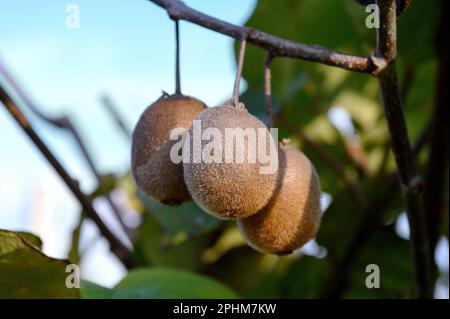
{"x":281,"y":47}
{"x":378,"y":63}
{"x":239,"y":72}
{"x":268,"y":88}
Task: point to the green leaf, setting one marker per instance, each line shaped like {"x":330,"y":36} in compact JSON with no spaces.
{"x":90,"y":290}
{"x":254,"y":102}
{"x":416,"y":31}
{"x":153,"y":248}
{"x":169,"y":283}
{"x":31,"y":239}
{"x":272,"y":283}
{"x":241,"y":268}
{"x":161,"y":283}
{"x":25,"y":272}
{"x":307,"y":21}
{"x":178,"y":223}
{"x":420,"y":99}
{"x":74,"y":252}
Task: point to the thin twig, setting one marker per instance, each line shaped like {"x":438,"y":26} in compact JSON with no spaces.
{"x":278,"y":46}
{"x":410,"y":181}
{"x":268,"y":89}
{"x":117,"y":247}
{"x":177,"y":59}
{"x":240,"y":66}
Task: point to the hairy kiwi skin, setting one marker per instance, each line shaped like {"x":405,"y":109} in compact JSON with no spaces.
{"x":229,"y":190}
{"x":292,"y":216}
{"x":154,"y":172}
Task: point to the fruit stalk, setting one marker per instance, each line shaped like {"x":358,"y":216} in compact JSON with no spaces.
{"x":240,"y":66}
{"x":278,"y":46}
{"x":177,"y":59}
{"x":268,"y":89}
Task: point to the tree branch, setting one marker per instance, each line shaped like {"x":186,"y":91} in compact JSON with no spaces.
{"x":117,"y":247}
{"x":410,"y":181}
{"x":277,"y":46}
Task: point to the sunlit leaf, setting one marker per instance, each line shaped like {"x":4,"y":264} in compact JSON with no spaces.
{"x":161,"y":283}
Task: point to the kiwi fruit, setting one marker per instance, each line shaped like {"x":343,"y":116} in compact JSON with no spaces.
{"x":224,"y":189}
{"x":292,"y":216}
{"x":153,"y":170}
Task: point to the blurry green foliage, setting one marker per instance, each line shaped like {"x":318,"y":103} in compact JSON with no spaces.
{"x":160,"y":283}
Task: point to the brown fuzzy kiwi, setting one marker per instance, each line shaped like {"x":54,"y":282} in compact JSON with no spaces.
{"x":292,"y":216}
{"x":154,"y":172}
{"x":229,"y":190}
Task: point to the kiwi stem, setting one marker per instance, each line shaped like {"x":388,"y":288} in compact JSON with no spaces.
{"x":177,"y":59}
{"x":268,"y":89}
{"x":237,"y":81}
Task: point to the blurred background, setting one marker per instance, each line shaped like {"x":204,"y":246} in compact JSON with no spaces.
{"x":103,"y":74}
